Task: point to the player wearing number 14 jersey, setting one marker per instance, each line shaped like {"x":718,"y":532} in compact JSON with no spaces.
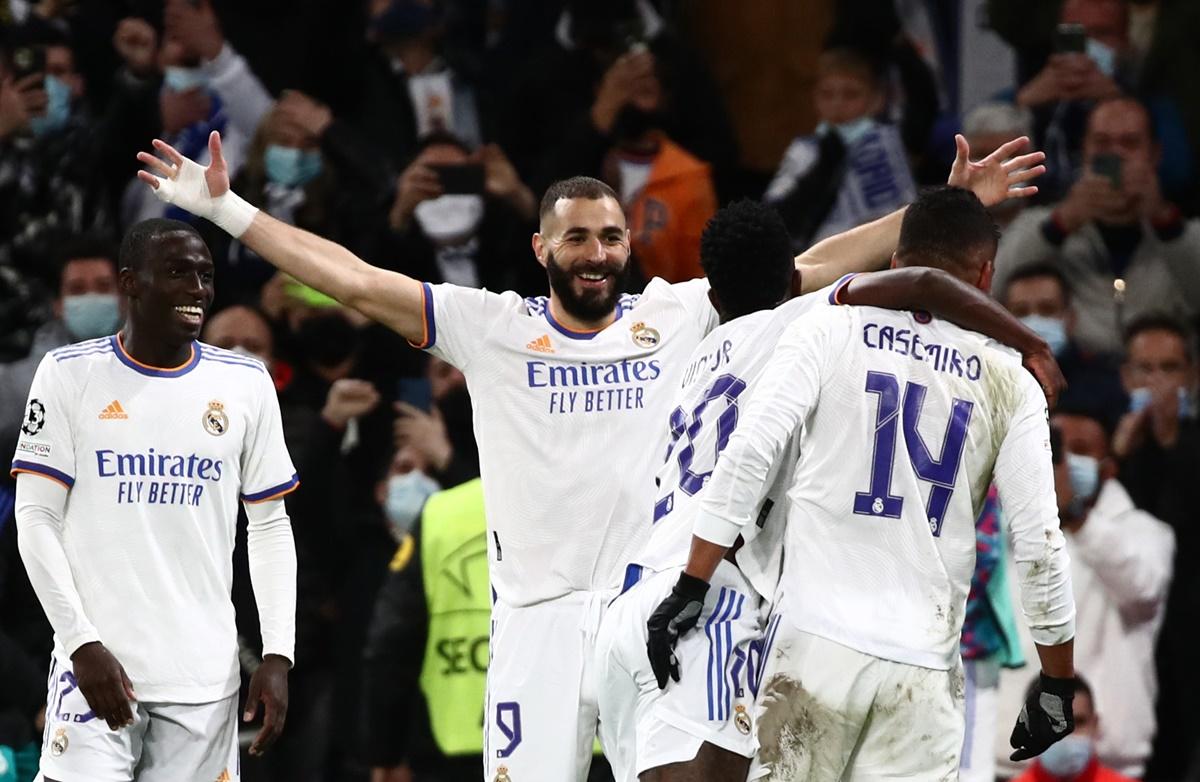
{"x":903,"y":421}
{"x":705,"y":720}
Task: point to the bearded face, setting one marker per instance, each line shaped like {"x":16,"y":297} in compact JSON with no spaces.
{"x":587,"y":290}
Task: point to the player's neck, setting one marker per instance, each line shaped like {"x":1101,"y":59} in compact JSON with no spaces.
{"x":152,"y":352}
{"x":574,"y":323}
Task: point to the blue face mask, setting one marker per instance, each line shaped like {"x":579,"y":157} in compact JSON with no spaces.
{"x":58,"y":108}
{"x":1084,"y":472}
{"x":1103,"y":55}
{"x":406,"y":495}
{"x":1066,"y":759}
{"x":292,"y":167}
{"x":850,"y":132}
{"x":91,"y":315}
{"x":183,"y":79}
{"x":1053,"y":330}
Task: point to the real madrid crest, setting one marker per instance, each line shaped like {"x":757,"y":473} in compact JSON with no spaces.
{"x":215,"y":421}
{"x":59,"y":743}
{"x":644,"y":336}
{"x":741,"y":719}
{"x":502,"y":774}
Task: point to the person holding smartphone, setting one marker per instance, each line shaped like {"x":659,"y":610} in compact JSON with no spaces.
{"x":452,"y":206}
{"x":1124,"y":249}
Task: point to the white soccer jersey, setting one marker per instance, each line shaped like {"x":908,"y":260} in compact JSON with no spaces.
{"x":904,"y":422}
{"x":569,"y":425}
{"x":719,"y":380}
{"x":155,"y":462}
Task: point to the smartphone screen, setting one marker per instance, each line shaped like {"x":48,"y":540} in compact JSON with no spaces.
{"x":1109,"y":167}
{"x":460,"y":179}
{"x":1070,"y":39}
{"x":28,"y":60}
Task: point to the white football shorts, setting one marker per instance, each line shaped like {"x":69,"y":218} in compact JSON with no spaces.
{"x":643,"y":727}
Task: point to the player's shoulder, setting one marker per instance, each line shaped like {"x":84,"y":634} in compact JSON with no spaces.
{"x":213,"y":358}
{"x":79,"y":358}
{"x":658,"y":290}
{"x":88,"y":349}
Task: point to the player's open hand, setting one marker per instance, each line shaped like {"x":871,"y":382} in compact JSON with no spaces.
{"x":1045,"y":718}
{"x":269,"y":687}
{"x":675,"y":615}
{"x":104,"y":684}
{"x":999,"y":176}
{"x":184,"y":182}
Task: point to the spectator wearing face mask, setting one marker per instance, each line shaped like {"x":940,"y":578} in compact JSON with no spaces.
{"x":409,"y":86}
{"x":1158,"y":445}
{"x":87,"y":306}
{"x":57,"y":165}
{"x":286,"y":175}
{"x":474,"y":239}
{"x":426,"y":657}
{"x":1125,"y":249}
{"x":433,"y":419}
{"x":600,"y":69}
{"x":1074,"y":758}
{"x":853,"y":168}
{"x":1040,"y":297}
{"x":1121,"y":568}
{"x":206,"y":86}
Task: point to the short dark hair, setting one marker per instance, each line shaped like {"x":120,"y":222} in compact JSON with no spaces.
{"x":1038,"y":270}
{"x":575,"y":187}
{"x":139,"y":240}
{"x":76,"y":246}
{"x":1151,"y":120}
{"x":942,"y":226}
{"x":1159,"y":321}
{"x":747,"y":254}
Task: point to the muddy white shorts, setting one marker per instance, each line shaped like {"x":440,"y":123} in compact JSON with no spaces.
{"x":643,"y":727}
{"x":828,"y":712}
{"x":167,"y":742}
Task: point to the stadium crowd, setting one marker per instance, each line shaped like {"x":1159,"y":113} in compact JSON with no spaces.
{"x":421,"y":133}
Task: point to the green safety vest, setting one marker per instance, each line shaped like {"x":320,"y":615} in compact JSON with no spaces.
{"x":454,"y":563}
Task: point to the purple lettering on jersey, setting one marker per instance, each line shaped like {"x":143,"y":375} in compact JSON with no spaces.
{"x":508,"y":720}
{"x":942,"y":472}
{"x":905,"y":342}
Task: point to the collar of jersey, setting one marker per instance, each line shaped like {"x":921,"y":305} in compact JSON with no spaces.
{"x":146,"y":369}
{"x":572,"y":333}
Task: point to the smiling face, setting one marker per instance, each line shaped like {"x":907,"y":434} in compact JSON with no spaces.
{"x":584,"y":246}
{"x":171,"y":290}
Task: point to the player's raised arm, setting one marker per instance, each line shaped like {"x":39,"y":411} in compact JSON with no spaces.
{"x":938,"y":292}
{"x":999,"y":176}
{"x":387,"y":297}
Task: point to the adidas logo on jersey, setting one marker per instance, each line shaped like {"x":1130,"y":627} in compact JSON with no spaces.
{"x":114,"y":410}
{"x":541,"y":344}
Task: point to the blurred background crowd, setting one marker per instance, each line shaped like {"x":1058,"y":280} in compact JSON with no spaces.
{"x":420,"y":133}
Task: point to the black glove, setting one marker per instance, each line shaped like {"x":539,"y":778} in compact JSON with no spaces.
{"x":674,"y":616}
{"x":1045,"y":718}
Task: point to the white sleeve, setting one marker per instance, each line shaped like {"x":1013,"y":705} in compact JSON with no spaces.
{"x":787,"y":391}
{"x":266,"y":469}
{"x":455,"y":320}
{"x":272,"y":555}
{"x":46,"y":443}
{"x":246,"y":100}
{"x":1024,"y":477}
{"x":1132,"y":554}
{"x":41,"y":511}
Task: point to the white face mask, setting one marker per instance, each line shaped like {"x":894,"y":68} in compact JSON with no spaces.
{"x":406,"y":495}
{"x":449,"y":219}
{"x":1103,"y":55}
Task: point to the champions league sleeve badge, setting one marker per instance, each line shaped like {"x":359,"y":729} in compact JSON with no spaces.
{"x":35,"y":418}
{"x":215,"y":421}
{"x":644,"y":336}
